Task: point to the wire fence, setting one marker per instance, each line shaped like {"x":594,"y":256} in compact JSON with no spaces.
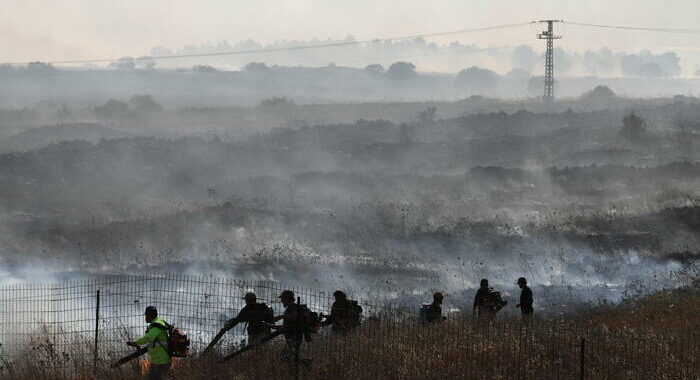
{"x":65,"y":316}
{"x":84,"y":324}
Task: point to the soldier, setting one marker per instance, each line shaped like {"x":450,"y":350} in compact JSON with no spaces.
{"x":434,"y":311}
{"x":293,"y":328}
{"x":345,"y":314}
{"x":487,"y":302}
{"x":480,"y":299}
{"x":256,"y":315}
{"x":156,"y":338}
{"x":525,"y":304}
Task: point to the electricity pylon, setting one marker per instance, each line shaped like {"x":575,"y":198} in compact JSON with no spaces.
{"x":549,"y":58}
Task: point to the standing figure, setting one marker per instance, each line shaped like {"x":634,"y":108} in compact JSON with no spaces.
{"x":525,"y":304}
{"x":487,"y":302}
{"x":156,"y":338}
{"x":433,"y":312}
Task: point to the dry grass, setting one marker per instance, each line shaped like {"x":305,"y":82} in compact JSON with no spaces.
{"x":652,"y":338}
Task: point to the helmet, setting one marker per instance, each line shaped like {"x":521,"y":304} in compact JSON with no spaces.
{"x":151,"y":310}
{"x":287,"y":295}
{"x":340,"y":293}
{"x":250,"y":296}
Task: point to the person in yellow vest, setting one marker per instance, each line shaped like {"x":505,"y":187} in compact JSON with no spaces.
{"x":156,"y":338}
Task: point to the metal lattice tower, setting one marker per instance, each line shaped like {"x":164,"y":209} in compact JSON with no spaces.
{"x":549,"y":58}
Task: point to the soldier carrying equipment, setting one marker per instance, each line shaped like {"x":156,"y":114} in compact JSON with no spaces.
{"x":487,"y":301}
{"x":345,"y":314}
{"x":257,"y":315}
{"x":433,"y":312}
{"x":298,"y":323}
{"x":163,"y":342}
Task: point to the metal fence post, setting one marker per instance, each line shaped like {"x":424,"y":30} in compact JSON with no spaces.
{"x":583,"y":358}
{"x":97,"y":329}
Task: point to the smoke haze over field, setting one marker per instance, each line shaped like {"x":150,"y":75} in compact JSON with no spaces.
{"x":390,"y":167}
{"x":566,"y":198}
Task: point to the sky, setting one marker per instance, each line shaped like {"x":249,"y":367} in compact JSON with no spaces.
{"x":86,"y":29}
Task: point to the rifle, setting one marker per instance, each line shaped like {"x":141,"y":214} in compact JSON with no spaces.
{"x":216,"y":339}
{"x":139,"y":351}
{"x":251,"y":346}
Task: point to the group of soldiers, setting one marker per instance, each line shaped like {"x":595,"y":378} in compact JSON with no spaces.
{"x":297,"y":322}
{"x":487,"y":302}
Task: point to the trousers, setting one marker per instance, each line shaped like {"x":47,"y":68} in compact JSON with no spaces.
{"x":158,"y":371}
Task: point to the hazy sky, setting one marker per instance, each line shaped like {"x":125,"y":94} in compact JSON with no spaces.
{"x":76,"y":29}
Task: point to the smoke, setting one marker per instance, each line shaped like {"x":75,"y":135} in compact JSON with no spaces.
{"x":563,"y":61}
{"x":375,"y":197}
{"x":599,"y":62}
{"x":439,"y":57}
{"x":646,"y":64}
{"x":524,"y":57}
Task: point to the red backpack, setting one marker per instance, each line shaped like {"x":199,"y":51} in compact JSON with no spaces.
{"x":178,"y":343}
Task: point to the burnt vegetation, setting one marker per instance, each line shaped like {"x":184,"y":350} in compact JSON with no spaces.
{"x":469,"y":191}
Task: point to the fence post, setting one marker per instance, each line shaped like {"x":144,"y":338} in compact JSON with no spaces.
{"x":97,"y":330}
{"x":583,"y":358}
{"x":297,"y":343}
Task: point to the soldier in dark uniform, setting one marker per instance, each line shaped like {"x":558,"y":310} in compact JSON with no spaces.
{"x":257,"y":315}
{"x":434,"y":313}
{"x":339,"y":313}
{"x":481,"y":304}
{"x":293,"y":329}
{"x":342,"y":318}
{"x":525,"y":304}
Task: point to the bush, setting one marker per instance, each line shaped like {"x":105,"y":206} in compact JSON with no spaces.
{"x":112,"y":109}
{"x":633,"y":127}
{"x":598,"y":94}
{"x":401,"y":70}
{"x":476,"y":79}
{"x":277,"y":102}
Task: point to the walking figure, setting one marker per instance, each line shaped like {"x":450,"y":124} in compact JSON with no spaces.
{"x":345,"y":314}
{"x":156,"y":338}
{"x":525,"y":304}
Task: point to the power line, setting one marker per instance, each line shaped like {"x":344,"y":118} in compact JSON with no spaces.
{"x":394,"y":57}
{"x":289,"y":48}
{"x":637,"y":28}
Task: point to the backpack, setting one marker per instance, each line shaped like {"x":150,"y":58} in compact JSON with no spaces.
{"x":268,"y":314}
{"x":178,"y":345}
{"x":309,"y":321}
{"x":423,"y":312}
{"x":354,"y":314}
{"x":494,"y":301}
{"x":263,"y":313}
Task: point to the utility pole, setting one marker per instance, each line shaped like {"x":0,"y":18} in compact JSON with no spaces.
{"x":549,"y":58}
